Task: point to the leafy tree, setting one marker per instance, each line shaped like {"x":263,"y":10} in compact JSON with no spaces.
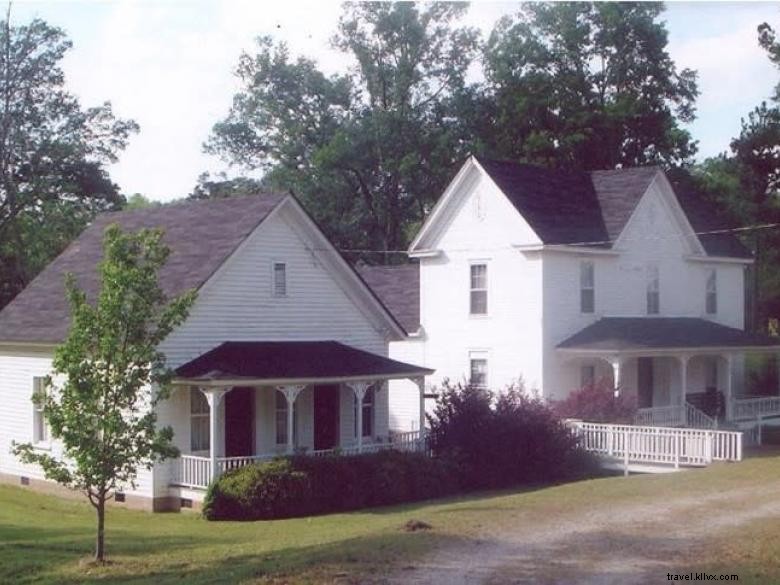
{"x":585,"y":85}
{"x":52,"y":154}
{"x":140,"y":201}
{"x":109,"y":374}
{"x":369,"y":151}
{"x":220,"y":187}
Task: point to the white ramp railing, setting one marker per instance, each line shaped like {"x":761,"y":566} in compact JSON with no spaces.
{"x":755,"y":408}
{"x":650,"y":445}
{"x":674,"y":416}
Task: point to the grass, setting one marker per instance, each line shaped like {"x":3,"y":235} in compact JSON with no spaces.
{"x":45,"y":539}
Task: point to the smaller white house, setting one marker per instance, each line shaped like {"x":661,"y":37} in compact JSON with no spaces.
{"x":559,"y":279}
{"x":284,"y":351}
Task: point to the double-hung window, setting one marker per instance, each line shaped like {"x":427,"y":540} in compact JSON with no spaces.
{"x":587,"y":287}
{"x":711,"y":300}
{"x":200,"y":439}
{"x":478,"y":299}
{"x":280,"y":279}
{"x":478,"y":369}
{"x":653,"y":291}
{"x":40,"y":426}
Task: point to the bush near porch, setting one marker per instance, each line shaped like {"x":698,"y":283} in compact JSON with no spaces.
{"x":479,"y":440}
{"x":597,"y":403}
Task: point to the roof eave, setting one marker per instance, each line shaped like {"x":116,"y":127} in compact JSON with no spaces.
{"x":248,"y":381}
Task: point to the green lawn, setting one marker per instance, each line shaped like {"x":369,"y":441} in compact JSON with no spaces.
{"x":46,"y":540}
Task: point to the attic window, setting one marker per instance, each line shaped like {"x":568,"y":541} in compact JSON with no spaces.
{"x":280,"y":279}
{"x":653,"y":291}
{"x":711,"y":300}
{"x":587,"y":287}
{"x":478,"y":290}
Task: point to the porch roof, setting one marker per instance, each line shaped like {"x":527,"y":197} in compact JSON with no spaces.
{"x":291,"y":362}
{"x":664,"y":334}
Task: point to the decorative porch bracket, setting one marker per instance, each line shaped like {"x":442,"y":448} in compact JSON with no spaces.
{"x":360,"y":388}
{"x":617,"y":374}
{"x":291,"y":393}
{"x":213,"y":397}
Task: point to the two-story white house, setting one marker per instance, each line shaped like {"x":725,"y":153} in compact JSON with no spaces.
{"x":284,"y":351}
{"x":560,"y":279}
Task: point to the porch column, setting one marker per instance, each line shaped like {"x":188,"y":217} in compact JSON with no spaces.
{"x":213,"y":397}
{"x":729,"y":388}
{"x":291,"y":393}
{"x":617,"y":374}
{"x":683,"y":378}
{"x":420,"y":382}
{"x":360,"y":389}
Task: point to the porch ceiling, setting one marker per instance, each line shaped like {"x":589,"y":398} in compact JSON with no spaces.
{"x":290,"y":362}
{"x":659,"y":335}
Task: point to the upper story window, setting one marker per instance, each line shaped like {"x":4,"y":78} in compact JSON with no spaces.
{"x":40,"y":426}
{"x":653,"y":291}
{"x":587,"y":287}
{"x":280,"y":279}
{"x":711,"y":300}
{"x":200,"y":439}
{"x":478,"y":290}
{"x":478,"y":369}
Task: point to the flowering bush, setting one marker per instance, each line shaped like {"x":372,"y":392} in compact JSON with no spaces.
{"x":597,"y":403}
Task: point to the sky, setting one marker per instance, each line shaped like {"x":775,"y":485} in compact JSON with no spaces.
{"x":168,"y":64}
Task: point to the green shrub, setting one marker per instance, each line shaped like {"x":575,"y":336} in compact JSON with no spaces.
{"x":302,"y":486}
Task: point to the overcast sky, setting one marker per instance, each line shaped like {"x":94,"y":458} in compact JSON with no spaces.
{"x":168,"y":65}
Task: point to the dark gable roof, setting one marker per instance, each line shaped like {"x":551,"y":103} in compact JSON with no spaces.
{"x":567,"y":207}
{"x":398,"y":287}
{"x":201,"y":235}
{"x":637,"y":333}
{"x":292,"y":360}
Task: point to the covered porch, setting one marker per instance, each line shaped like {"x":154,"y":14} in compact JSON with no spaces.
{"x":245,"y":402}
{"x":684,"y":372}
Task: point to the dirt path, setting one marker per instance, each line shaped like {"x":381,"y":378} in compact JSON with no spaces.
{"x":620,"y":544}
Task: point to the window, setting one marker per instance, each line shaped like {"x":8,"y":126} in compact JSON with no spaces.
{"x":711,"y":301}
{"x":281,"y":420}
{"x":40,"y":426}
{"x":653,"y":291}
{"x":587,"y":288}
{"x":280,"y":279}
{"x":478,"y":300}
{"x":478,"y":375}
{"x":587,"y":376}
{"x":368,"y":413}
{"x":200,"y":439}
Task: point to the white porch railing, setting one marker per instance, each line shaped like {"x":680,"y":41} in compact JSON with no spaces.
{"x":754,"y":408}
{"x":674,"y":416}
{"x":649,"y":445}
{"x":193,"y":471}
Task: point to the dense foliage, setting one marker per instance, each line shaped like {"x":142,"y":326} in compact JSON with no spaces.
{"x":502,"y":439}
{"x":53,"y":154}
{"x":303,"y":486}
{"x":109,"y":374}
{"x":597,"y":403}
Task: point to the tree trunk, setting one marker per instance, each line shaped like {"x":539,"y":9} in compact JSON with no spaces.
{"x":101,"y":523}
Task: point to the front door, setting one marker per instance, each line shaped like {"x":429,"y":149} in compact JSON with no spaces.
{"x":644,"y":373}
{"x":326,"y":417}
{"x":239,"y":422}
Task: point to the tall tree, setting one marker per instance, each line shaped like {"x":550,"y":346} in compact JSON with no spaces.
{"x":368,"y":151}
{"x":220,"y":187}
{"x":587,"y":85}
{"x":53,"y":154}
{"x":109,"y":374}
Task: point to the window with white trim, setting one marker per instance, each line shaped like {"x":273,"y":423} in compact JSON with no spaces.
{"x":478,"y":369}
{"x":40,"y":426}
{"x":653,"y":291}
{"x":368,"y":406}
{"x":200,"y":439}
{"x":587,"y":376}
{"x":478,"y":289}
{"x":281,"y":419}
{"x":587,"y":287}
{"x":711,"y":300}
{"x":280,"y":279}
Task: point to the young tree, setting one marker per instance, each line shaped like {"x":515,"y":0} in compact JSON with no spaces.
{"x":369,"y":151}
{"x":53,"y":154}
{"x":585,"y":85}
{"x":109,"y":374}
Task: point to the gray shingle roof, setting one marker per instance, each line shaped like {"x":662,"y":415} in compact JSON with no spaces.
{"x":292,"y":360}
{"x":567,"y":207}
{"x":398,"y":287}
{"x":201,"y":235}
{"x":637,"y":333}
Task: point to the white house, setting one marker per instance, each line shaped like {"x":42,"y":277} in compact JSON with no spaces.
{"x":285,"y":349}
{"x":558,"y":279}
